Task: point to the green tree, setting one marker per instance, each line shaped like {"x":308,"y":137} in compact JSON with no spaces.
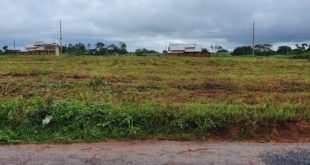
{"x":123,"y":48}
{"x":220,"y":49}
{"x":304,"y":46}
{"x":100,"y":49}
{"x":144,"y":51}
{"x":139,"y":52}
{"x":212,"y":48}
{"x":264,"y":50}
{"x":88,"y":46}
{"x":77,"y":49}
{"x":299,"y":50}
{"x":5,"y":48}
{"x":217,"y":48}
{"x":122,"y":45}
{"x":284,"y":50}
{"x":205,"y":50}
{"x":100,"y":45}
{"x":113,"y":48}
{"x":243,"y":50}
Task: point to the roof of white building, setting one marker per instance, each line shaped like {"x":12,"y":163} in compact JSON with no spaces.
{"x":37,"y":44}
{"x":185,"y":47}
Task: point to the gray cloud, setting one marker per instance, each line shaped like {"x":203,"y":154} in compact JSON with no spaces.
{"x":154,"y":24}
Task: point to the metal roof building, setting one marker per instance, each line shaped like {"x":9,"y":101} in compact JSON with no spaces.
{"x":184,"y":48}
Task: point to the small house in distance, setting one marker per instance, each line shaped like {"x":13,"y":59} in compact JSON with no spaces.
{"x":42,"y":48}
{"x":187,"y":50}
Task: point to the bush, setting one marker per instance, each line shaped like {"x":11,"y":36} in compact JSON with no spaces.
{"x":301,"y":56}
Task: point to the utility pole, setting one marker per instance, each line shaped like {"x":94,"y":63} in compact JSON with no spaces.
{"x":60,"y":38}
{"x":253,"y":42}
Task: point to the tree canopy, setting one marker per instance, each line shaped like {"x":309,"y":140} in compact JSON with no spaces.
{"x":241,"y":51}
{"x":284,"y":50}
{"x":100,"y":49}
{"x":144,"y":51}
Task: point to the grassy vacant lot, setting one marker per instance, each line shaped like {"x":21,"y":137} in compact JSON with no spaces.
{"x":95,"y":98}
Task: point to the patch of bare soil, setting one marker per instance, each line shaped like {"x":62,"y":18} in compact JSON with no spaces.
{"x":295,"y":133}
{"x":228,"y":85}
{"x":299,"y":132}
{"x":277,"y":85}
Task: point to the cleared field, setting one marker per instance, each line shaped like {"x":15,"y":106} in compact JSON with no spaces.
{"x":181,"y":96}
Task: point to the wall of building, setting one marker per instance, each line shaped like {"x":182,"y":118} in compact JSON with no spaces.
{"x":197,"y":54}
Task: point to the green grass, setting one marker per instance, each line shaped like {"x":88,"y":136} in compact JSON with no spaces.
{"x":96,"y":98}
{"x":74,"y":121}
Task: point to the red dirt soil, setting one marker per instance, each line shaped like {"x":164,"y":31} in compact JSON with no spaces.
{"x":296,"y":133}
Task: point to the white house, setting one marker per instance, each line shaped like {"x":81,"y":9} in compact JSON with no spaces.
{"x":184,"y":48}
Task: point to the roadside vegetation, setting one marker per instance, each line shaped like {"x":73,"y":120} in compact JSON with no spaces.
{"x":80,"y":98}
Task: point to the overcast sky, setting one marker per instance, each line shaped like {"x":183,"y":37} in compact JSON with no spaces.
{"x":154,"y":24}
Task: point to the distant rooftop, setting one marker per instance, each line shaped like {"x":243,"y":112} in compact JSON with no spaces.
{"x":181,"y":48}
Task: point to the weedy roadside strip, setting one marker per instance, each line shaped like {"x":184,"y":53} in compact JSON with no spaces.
{"x":70,"y":121}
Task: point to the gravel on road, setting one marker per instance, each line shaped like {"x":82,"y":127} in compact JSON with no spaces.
{"x":295,"y":156}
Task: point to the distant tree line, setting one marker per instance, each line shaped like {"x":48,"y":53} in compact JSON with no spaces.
{"x":217,"y":49}
{"x":5,"y":50}
{"x":301,"y":51}
{"x":144,"y":52}
{"x":103,"y":49}
{"x":100,"y":49}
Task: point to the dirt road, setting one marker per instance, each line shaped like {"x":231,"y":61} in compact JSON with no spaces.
{"x":155,"y":152}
